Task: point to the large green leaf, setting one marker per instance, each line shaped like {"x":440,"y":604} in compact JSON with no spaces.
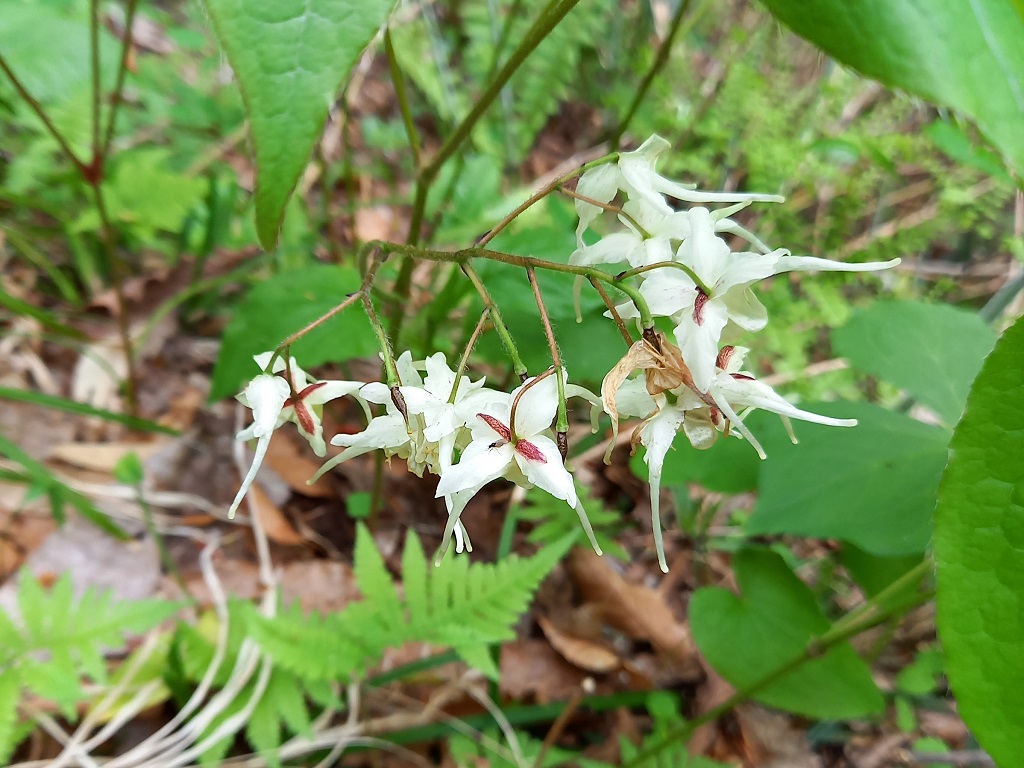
{"x":770,"y":624}
{"x":933,"y":351}
{"x":960,"y":54}
{"x":290,"y":58}
{"x":872,"y":485}
{"x":282,"y":305}
{"x":979,"y":551}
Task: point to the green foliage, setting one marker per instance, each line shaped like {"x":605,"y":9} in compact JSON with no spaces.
{"x":277,"y":307}
{"x":939,"y":51}
{"x":873,"y":485}
{"x":770,"y":624}
{"x":39,"y":481}
{"x":979,"y":553}
{"x":56,"y":639}
{"x":290,"y":58}
{"x":555,"y":522}
{"x":933,"y":351}
{"x":467,"y":606}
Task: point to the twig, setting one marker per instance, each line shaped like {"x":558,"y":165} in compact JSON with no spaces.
{"x":562,"y":419}
{"x":557,"y":727}
{"x":122,"y":70}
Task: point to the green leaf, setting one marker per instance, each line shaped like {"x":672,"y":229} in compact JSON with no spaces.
{"x":979,"y":552}
{"x":964,"y":55}
{"x":129,"y":470}
{"x":933,"y":351}
{"x":84,"y":409}
{"x":283,"y":304}
{"x":769,"y":625}
{"x":872,"y":485}
{"x":290,"y":58}
{"x":10,"y":689}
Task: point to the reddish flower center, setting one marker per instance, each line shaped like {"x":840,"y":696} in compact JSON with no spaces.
{"x":698,"y":307}
{"x":524,"y":448}
{"x":497,"y":426}
{"x":724,"y":356}
{"x":528,"y":450}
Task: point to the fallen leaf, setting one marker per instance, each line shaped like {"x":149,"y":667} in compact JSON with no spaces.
{"x":582,"y":652}
{"x":295,"y":469}
{"x":275,"y":523}
{"x":101,"y":457}
{"x":640,"y":612}
{"x":532,"y":668}
{"x":23,"y":533}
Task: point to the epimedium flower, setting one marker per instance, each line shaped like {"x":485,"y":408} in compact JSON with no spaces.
{"x":276,"y":400}
{"x":714,"y":289}
{"x":509,"y":440}
{"x":634,"y":174}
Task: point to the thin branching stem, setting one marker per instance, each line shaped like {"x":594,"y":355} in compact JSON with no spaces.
{"x":541,"y":193}
{"x":515,"y":402}
{"x":499,"y":323}
{"x":97,"y":89}
{"x":613,"y":310}
{"x":348,"y":302}
{"x":670,"y":265}
{"x":606,"y":207}
{"x":44,"y":118}
{"x":660,"y":60}
{"x":481,"y":324}
{"x":398,"y":80}
{"x":562,"y":419}
{"x":122,"y":70}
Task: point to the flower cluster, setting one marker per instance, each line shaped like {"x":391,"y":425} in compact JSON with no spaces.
{"x":680,"y":267}
{"x":689,"y":274}
{"x":427,"y":419}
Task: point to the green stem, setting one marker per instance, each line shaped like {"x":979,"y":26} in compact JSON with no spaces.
{"x":122,"y":70}
{"x":403,"y":99}
{"x":660,"y":60}
{"x":464,"y":361}
{"x":117,"y":277}
{"x":97,"y":93}
{"x":562,"y":420}
{"x":37,"y":108}
{"x":672,"y":264}
{"x":499,"y":324}
{"x":866,"y":617}
{"x":382,"y":339}
{"x":547,"y":20}
{"x":542,"y":193}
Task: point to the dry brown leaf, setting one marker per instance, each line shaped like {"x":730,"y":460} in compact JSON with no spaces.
{"x":639,"y":611}
{"x":102,"y":457}
{"x":532,"y":668}
{"x":276,"y":524}
{"x":20,"y":535}
{"x":582,"y":652}
{"x":295,"y":469}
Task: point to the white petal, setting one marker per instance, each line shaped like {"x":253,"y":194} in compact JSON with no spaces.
{"x":480,"y":464}
{"x":440,"y":378}
{"x":657,"y":437}
{"x":332,"y":390}
{"x":699,"y":343}
{"x":537,"y":406}
{"x":382,"y":432}
{"x":750,"y":393}
{"x":610,"y":249}
{"x":407,"y":373}
{"x":802,"y":263}
{"x":633,"y":399}
{"x":376,"y":392}
{"x":685,"y":193}
{"x":699,"y":429}
{"x":549,"y":474}
{"x":704,"y":251}
{"x":668,"y":291}
{"x":723,"y":404}
{"x":266,"y":396}
{"x":261,"y":451}
{"x":601,"y":184}
{"x":745,"y":309}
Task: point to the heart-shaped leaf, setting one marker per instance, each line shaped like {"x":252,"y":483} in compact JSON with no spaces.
{"x":770,"y":624}
{"x":979,"y":551}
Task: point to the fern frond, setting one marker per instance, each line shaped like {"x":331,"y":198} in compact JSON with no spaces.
{"x":57,"y":637}
{"x":464,"y":605}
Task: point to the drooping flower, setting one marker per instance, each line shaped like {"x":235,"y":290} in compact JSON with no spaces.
{"x":723,"y":295}
{"x":276,"y":400}
{"x":509,"y":440}
{"x":634,"y":175}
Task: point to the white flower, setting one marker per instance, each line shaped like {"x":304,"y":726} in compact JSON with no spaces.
{"x":275,"y":401}
{"x":514,"y":448}
{"x":702,"y":311}
{"x":735,"y":392}
{"x":634,"y":175}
